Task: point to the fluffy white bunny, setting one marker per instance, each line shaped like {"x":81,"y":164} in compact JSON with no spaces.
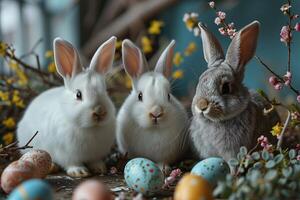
{"x":76,"y":122}
{"x":151,"y":123}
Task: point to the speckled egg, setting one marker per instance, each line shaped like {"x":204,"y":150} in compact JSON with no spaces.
{"x":41,"y":159}
{"x":193,"y":187}
{"x":32,"y":190}
{"x":143,"y":175}
{"x":15,"y":173}
{"x":92,"y":190}
{"x":212,"y":169}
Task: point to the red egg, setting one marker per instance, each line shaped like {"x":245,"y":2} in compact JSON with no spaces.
{"x":41,"y":159}
{"x":92,"y":190}
{"x":15,"y":173}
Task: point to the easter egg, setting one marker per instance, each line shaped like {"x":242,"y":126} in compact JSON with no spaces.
{"x":193,"y":187}
{"x":32,"y":190}
{"x":15,"y":173}
{"x":41,"y":159}
{"x":143,"y":176}
{"x":212,"y":169}
{"x":92,"y":190}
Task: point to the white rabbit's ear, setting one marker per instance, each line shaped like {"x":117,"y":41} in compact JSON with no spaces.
{"x":103,"y":58}
{"x":133,"y":59}
{"x":165,"y":61}
{"x":242,"y":48}
{"x":66,"y":58}
{"x":212,"y":49}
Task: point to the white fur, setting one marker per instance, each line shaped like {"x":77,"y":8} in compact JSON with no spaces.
{"x":136,"y":134}
{"x":66,"y":127}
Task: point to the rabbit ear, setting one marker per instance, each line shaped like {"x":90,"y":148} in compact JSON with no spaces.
{"x":66,"y":58}
{"x":103,"y":58}
{"x":211,"y":47}
{"x":165,"y":61}
{"x":133,"y":59}
{"x":242,"y":48}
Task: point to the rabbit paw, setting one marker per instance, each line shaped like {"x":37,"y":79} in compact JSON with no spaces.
{"x":78,"y":171}
{"x":98,"y":167}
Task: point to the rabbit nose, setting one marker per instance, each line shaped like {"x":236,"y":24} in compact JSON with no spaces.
{"x":156,"y":112}
{"x":202,"y":104}
{"x":98,"y":113}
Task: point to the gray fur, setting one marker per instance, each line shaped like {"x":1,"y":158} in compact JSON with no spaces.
{"x":231,"y":120}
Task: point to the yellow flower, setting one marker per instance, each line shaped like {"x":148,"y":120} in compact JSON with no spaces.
{"x":276,"y":130}
{"x":23,"y":80}
{"x":16,"y":99}
{"x":4,"y":96}
{"x":128,"y":83}
{"x":51,"y":67}
{"x":49,"y":54}
{"x":191,"y":48}
{"x":3,"y":48}
{"x":118,"y":44}
{"x":146,"y":44}
{"x":178,"y":59}
{"x":155,"y":27}
{"x":178,"y":74}
{"x":13,"y":65}
{"x":9,"y":122}
{"x":8,"y":138}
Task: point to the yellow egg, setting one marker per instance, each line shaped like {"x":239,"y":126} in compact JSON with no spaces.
{"x":41,"y":159}
{"x":193,"y":187}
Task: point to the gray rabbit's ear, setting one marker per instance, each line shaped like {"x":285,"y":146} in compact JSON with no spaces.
{"x":165,"y":61}
{"x":242,"y":48}
{"x":103,"y":59}
{"x":133,"y":59}
{"x":66,"y":58}
{"x":212,"y":49}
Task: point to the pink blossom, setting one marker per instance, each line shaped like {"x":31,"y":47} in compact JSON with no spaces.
{"x":298,"y":98}
{"x":231,"y":25}
{"x":296,"y":116}
{"x":297,"y":27}
{"x":285,"y":34}
{"x":176,"y":173}
{"x":231,"y":32}
{"x":298,"y":157}
{"x":295,"y":16}
{"x":298,"y":147}
{"x":278,"y":86}
{"x":221,"y":14}
{"x":273,"y":80}
{"x":263,"y":141}
{"x":218,"y":20}
{"x":284,"y":8}
{"x":222,"y":31}
{"x":211,"y":4}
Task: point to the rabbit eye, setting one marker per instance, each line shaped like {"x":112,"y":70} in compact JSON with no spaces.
{"x":226,"y":88}
{"x":140,"y":96}
{"x":169,"y":97}
{"x":78,"y":95}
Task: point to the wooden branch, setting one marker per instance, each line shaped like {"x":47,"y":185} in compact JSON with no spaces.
{"x":139,"y":11}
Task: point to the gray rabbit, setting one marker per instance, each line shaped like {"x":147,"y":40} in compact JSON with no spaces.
{"x":226,"y":115}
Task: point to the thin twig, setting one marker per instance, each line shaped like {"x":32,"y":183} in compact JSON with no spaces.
{"x":290,"y":38}
{"x":277,"y":76}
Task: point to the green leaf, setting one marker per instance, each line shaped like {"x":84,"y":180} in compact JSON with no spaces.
{"x":265,"y":155}
{"x":243,"y":151}
{"x":255,"y":155}
{"x":233,"y":162}
{"x":292,"y":153}
{"x":278,"y":158}
{"x":263,"y":94}
{"x":270,"y":164}
{"x":287,"y":172}
{"x":271,"y":175}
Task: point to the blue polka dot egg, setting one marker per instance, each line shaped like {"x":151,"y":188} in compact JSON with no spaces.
{"x":212,"y":169}
{"x":32,"y":190}
{"x":144,"y":176}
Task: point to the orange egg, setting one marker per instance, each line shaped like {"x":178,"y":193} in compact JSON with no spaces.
{"x":193,"y":187}
{"x":92,"y":190}
{"x":15,"y":173}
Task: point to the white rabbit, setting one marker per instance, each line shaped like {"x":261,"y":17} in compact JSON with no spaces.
{"x":152,"y":122}
{"x":76,"y":122}
{"x":226,"y":115}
